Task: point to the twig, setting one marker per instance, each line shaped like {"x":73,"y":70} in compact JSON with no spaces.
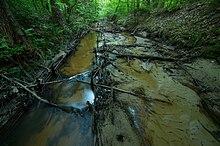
{"x":51,"y":82}
{"x":58,"y":81}
{"x":36,"y":96}
{"x":126,"y":46}
{"x":22,"y":81}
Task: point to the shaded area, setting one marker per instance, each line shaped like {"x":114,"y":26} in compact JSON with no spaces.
{"x":47,"y":126}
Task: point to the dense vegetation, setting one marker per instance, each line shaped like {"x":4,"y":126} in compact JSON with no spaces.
{"x":39,"y":28}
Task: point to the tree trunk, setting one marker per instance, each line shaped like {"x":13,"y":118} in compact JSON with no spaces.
{"x":10,"y":27}
{"x":57,"y":15}
{"x":116,"y":10}
{"x":138,"y":4}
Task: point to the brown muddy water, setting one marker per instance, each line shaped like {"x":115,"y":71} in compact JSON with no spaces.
{"x":183,"y":122}
{"x":48,"y":126}
{"x":178,"y":124}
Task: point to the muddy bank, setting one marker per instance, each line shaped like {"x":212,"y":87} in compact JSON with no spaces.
{"x":160,"y":103}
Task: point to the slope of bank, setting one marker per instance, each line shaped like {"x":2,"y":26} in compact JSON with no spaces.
{"x":194,"y":27}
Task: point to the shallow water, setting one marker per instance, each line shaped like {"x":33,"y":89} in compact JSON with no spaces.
{"x":52,"y":127}
{"x":181,"y":123}
{"x":71,"y":93}
{"x":81,"y":60}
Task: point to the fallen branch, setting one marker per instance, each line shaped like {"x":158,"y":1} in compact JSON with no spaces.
{"x":47,"y":83}
{"x":56,"y":81}
{"x":103,"y":86}
{"x":65,"y":108}
{"x":127,"y":92}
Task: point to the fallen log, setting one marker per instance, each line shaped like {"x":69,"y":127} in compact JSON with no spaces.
{"x":145,"y":57}
{"x":53,"y":65}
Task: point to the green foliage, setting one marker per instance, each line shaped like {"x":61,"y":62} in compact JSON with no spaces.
{"x":35,"y":16}
{"x":45,"y":35}
{"x":6,"y":51}
{"x":108,"y":8}
{"x":83,"y":15}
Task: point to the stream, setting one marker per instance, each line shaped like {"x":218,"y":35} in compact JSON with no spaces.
{"x":130,"y":120}
{"x":49,"y":126}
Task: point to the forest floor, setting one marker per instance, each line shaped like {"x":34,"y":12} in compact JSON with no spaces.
{"x":160,"y":87}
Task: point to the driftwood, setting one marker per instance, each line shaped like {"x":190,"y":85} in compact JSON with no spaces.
{"x":105,"y":30}
{"x":53,"y":65}
{"x":119,"y":55}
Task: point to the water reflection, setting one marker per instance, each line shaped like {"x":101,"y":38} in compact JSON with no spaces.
{"x":52,"y":127}
{"x":71,"y":92}
{"x":81,"y":60}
